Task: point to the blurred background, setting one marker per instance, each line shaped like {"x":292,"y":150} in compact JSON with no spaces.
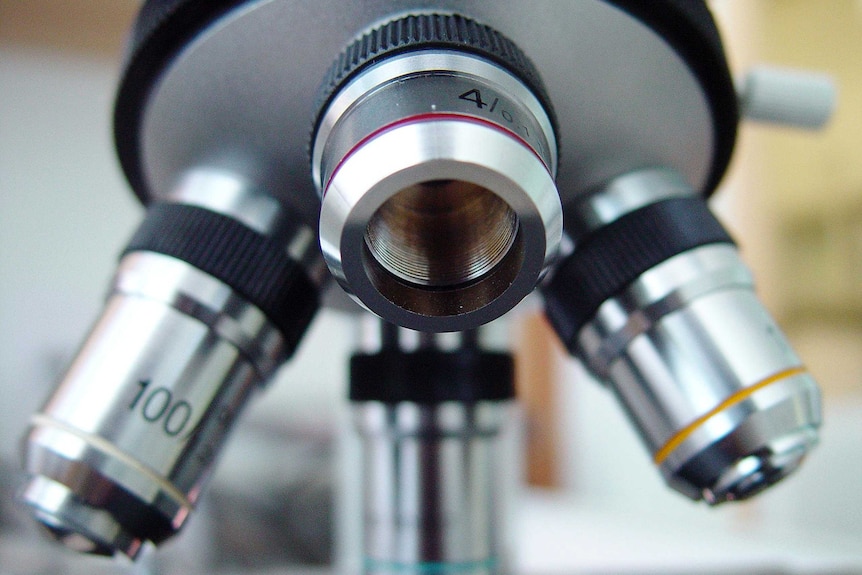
{"x":588,"y":499}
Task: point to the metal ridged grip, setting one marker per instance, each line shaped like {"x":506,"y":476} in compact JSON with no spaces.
{"x":425,"y":32}
{"x":257,"y":267}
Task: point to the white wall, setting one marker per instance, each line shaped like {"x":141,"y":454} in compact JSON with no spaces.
{"x":64,"y":215}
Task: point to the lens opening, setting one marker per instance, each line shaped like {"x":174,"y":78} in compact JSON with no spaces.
{"x":441,"y":233}
{"x":452,"y":300}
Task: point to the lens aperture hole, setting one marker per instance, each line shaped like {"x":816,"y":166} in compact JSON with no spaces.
{"x":441,"y":233}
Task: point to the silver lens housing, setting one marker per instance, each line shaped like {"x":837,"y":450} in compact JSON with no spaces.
{"x":435,"y":450}
{"x":120,"y":453}
{"x":141,"y":414}
{"x":432,"y":486}
{"x":717,"y":394}
{"x":706,"y":376}
{"x":392,"y":138}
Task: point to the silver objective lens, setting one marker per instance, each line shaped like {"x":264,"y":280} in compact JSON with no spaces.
{"x":431,"y":424}
{"x":721,"y":400}
{"x":436,"y":170}
{"x":430,"y":486}
{"x":120,"y":452}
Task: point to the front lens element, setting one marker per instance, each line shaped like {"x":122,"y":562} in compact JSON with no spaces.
{"x":442,"y":233}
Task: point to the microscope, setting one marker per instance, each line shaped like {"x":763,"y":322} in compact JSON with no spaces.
{"x":440,"y":160}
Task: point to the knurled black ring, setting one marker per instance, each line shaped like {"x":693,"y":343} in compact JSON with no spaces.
{"x":606,"y":261}
{"x":430,"y":377}
{"x":428,"y":31}
{"x":253,"y":265}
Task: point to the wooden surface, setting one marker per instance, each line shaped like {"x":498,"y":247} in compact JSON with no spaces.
{"x":538,"y":353}
{"x":92,"y":27}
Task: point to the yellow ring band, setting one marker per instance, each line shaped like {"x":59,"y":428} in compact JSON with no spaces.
{"x":683,"y":434}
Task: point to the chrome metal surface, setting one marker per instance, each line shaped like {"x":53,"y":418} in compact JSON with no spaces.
{"x":712,"y":382}
{"x":494,"y":337}
{"x":443,"y":76}
{"x":119,"y":454}
{"x":434,"y":475}
{"x":621,"y":196}
{"x":664,"y":289}
{"x":134,"y":427}
{"x":716,"y":392}
{"x":439,"y":209}
{"x":233,"y":195}
{"x":431,"y":488}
